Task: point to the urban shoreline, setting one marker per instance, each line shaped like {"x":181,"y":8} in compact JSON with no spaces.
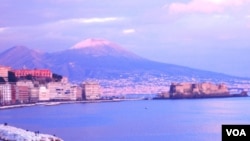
{"x":54,"y":103}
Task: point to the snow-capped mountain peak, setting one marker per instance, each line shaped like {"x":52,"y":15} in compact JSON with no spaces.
{"x":92,"y":42}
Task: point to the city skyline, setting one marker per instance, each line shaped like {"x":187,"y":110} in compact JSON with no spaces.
{"x":205,"y":34}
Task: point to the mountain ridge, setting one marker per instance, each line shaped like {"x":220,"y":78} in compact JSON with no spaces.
{"x":26,"y":57}
{"x":100,"y":59}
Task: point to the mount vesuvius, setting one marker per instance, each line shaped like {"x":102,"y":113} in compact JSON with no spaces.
{"x":99,"y":59}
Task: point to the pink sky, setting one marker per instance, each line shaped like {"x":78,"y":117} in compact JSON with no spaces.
{"x":206,"y":34}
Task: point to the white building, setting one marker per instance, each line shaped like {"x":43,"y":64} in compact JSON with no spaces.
{"x":76,"y":92}
{"x":34,"y":94}
{"x":27,"y":83}
{"x":7,"y":93}
{"x":43,"y":94}
{"x":56,"y":91}
{"x":91,"y":90}
{"x":63,"y":91}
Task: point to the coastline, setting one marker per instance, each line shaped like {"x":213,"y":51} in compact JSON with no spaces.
{"x":17,"y":106}
{"x":54,"y":103}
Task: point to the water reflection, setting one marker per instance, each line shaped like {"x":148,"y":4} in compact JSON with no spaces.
{"x":160,"y":120}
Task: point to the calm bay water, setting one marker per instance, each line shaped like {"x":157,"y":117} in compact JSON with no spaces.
{"x":149,"y":120}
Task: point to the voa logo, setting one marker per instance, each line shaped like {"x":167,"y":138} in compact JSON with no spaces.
{"x":236,"y":132}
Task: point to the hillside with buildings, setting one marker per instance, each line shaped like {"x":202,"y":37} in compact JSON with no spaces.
{"x":40,"y":85}
{"x":22,"y":86}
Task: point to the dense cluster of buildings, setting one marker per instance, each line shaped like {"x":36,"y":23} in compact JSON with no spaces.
{"x":149,"y":84}
{"x":35,"y":85}
{"x":31,"y":86}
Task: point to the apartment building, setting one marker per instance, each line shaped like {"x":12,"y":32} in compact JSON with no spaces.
{"x":4,"y":72}
{"x":23,"y":94}
{"x":64,"y":91}
{"x":91,"y":91}
{"x":43,"y":94}
{"x":7,"y":94}
{"x":34,"y":94}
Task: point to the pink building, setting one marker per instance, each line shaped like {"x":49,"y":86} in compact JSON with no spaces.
{"x":35,"y":73}
{"x":4,"y":72}
{"x":23,"y":94}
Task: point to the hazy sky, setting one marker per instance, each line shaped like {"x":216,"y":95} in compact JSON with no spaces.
{"x":206,"y":34}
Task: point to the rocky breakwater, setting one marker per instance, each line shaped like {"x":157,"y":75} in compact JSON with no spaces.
{"x":10,"y":133}
{"x":199,"y":90}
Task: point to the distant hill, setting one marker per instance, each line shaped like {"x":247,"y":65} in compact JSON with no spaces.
{"x":98,"y":58}
{"x":20,"y":56}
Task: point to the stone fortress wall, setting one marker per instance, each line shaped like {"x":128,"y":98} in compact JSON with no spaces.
{"x":193,"y":90}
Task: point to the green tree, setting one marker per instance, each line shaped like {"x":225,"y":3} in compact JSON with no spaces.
{"x":11,"y":77}
{"x":2,"y":80}
{"x":29,"y":77}
{"x":56,"y":77}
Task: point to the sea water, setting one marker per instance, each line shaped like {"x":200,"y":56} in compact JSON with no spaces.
{"x":146,"y":120}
